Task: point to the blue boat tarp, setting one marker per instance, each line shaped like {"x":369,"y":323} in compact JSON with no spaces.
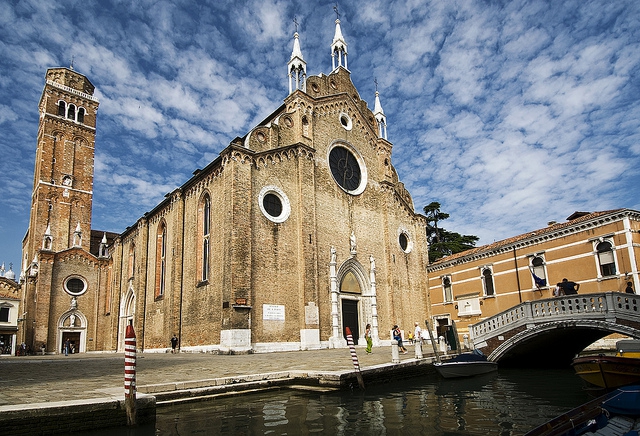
{"x":624,"y":401}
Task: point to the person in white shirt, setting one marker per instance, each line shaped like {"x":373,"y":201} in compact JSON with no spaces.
{"x":417,"y":334}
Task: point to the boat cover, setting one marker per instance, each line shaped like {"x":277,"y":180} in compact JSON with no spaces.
{"x":624,"y":401}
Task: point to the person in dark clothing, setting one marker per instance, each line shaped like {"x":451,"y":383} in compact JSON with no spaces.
{"x":397,"y":335}
{"x":569,"y":288}
{"x":174,"y":343}
{"x":629,"y":289}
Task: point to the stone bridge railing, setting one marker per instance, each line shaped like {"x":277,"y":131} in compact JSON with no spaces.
{"x":608,"y":306}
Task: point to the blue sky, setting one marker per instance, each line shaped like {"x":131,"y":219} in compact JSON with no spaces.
{"x":509,"y":113}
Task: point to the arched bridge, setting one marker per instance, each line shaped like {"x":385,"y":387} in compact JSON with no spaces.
{"x":552,"y":331}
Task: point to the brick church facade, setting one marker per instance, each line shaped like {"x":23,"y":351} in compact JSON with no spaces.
{"x":297,"y":230}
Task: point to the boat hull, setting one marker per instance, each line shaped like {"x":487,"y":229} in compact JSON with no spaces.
{"x":607,"y":371}
{"x":464,"y":369}
{"x":614,"y":413}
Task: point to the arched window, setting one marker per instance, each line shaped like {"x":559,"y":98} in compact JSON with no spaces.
{"x":606,"y":259}
{"x":446,"y":287}
{"x":161,"y":259}
{"x":538,"y":273}
{"x":487,"y":280}
{"x":206,"y":237}
{"x":62,"y":108}
{"x":81,"y":115}
{"x":71,"y":112}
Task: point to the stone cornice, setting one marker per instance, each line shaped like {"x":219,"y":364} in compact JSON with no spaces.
{"x":587,"y":222}
{"x":71,"y":90}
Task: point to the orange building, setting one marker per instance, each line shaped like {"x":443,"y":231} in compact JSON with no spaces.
{"x":599,"y":251}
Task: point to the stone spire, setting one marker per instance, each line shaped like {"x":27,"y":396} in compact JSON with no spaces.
{"x":102,"y":249}
{"x":380,"y":116}
{"x":297,"y":66}
{"x":339,"y":46}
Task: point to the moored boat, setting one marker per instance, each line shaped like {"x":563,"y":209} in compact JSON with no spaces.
{"x":465,"y":365}
{"x":615,"y":413}
{"x":609,"y":372}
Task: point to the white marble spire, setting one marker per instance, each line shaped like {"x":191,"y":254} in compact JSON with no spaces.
{"x":380,"y":117}
{"x":339,"y":46}
{"x":297,"y":67}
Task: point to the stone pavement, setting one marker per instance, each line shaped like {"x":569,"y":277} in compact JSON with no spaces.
{"x":52,"y":378}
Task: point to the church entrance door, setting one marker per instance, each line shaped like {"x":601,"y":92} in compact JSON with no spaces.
{"x":74,"y":340}
{"x":350,"y":319}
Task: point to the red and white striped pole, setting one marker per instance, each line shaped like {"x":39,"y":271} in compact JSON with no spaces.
{"x":354,"y":357}
{"x":130,"y":374}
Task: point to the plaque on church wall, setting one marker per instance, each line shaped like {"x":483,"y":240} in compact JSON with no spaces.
{"x":311,"y":314}
{"x":273,"y":312}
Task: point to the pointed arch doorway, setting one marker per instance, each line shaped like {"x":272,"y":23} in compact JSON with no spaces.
{"x":350,"y":291}
{"x":350,"y":319}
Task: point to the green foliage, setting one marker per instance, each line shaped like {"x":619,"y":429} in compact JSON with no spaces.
{"x":442,"y":242}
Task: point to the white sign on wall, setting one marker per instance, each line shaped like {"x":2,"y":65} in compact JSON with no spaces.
{"x":273,"y":312}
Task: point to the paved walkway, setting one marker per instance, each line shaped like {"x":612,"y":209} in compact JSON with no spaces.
{"x":38,"y":379}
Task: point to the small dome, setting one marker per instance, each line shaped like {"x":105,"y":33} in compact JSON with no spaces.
{"x":10,"y":274}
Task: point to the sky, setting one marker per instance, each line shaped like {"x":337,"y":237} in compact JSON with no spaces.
{"x":510,"y":114}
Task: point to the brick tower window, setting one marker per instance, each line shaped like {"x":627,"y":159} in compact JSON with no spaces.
{"x":71,"y":112}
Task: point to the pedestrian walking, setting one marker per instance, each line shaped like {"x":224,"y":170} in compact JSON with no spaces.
{"x":67,"y":346}
{"x":367,"y":336}
{"x":417,"y":333}
{"x":174,"y":343}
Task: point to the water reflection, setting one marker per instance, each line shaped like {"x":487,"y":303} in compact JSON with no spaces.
{"x":509,"y":402}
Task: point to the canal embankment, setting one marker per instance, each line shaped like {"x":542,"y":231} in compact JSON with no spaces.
{"x":58,"y":394}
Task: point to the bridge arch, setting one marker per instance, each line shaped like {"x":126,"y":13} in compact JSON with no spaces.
{"x":551,"y":332}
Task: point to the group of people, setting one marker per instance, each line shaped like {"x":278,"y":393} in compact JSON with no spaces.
{"x":397,"y":336}
{"x":566,"y":287}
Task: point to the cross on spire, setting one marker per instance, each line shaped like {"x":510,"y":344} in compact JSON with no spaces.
{"x":335,"y":8}
{"x":295,"y":21}
{"x":375,"y":80}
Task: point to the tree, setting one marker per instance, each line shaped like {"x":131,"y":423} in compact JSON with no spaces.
{"x":442,"y":242}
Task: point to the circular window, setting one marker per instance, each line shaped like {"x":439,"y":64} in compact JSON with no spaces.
{"x":75,"y":286}
{"x":405,"y":242}
{"x":274,"y":204}
{"x":347,"y":169}
{"x":345,"y":120}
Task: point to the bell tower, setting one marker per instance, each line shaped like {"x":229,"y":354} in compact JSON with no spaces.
{"x":62,"y":193}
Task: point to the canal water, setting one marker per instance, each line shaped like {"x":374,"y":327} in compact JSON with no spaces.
{"x":509,"y":402}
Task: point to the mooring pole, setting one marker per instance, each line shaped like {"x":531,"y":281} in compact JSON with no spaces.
{"x":354,"y":358}
{"x":130,"y":374}
{"x":433,"y":343}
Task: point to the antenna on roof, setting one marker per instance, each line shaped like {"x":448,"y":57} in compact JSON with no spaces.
{"x":71,"y":66}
